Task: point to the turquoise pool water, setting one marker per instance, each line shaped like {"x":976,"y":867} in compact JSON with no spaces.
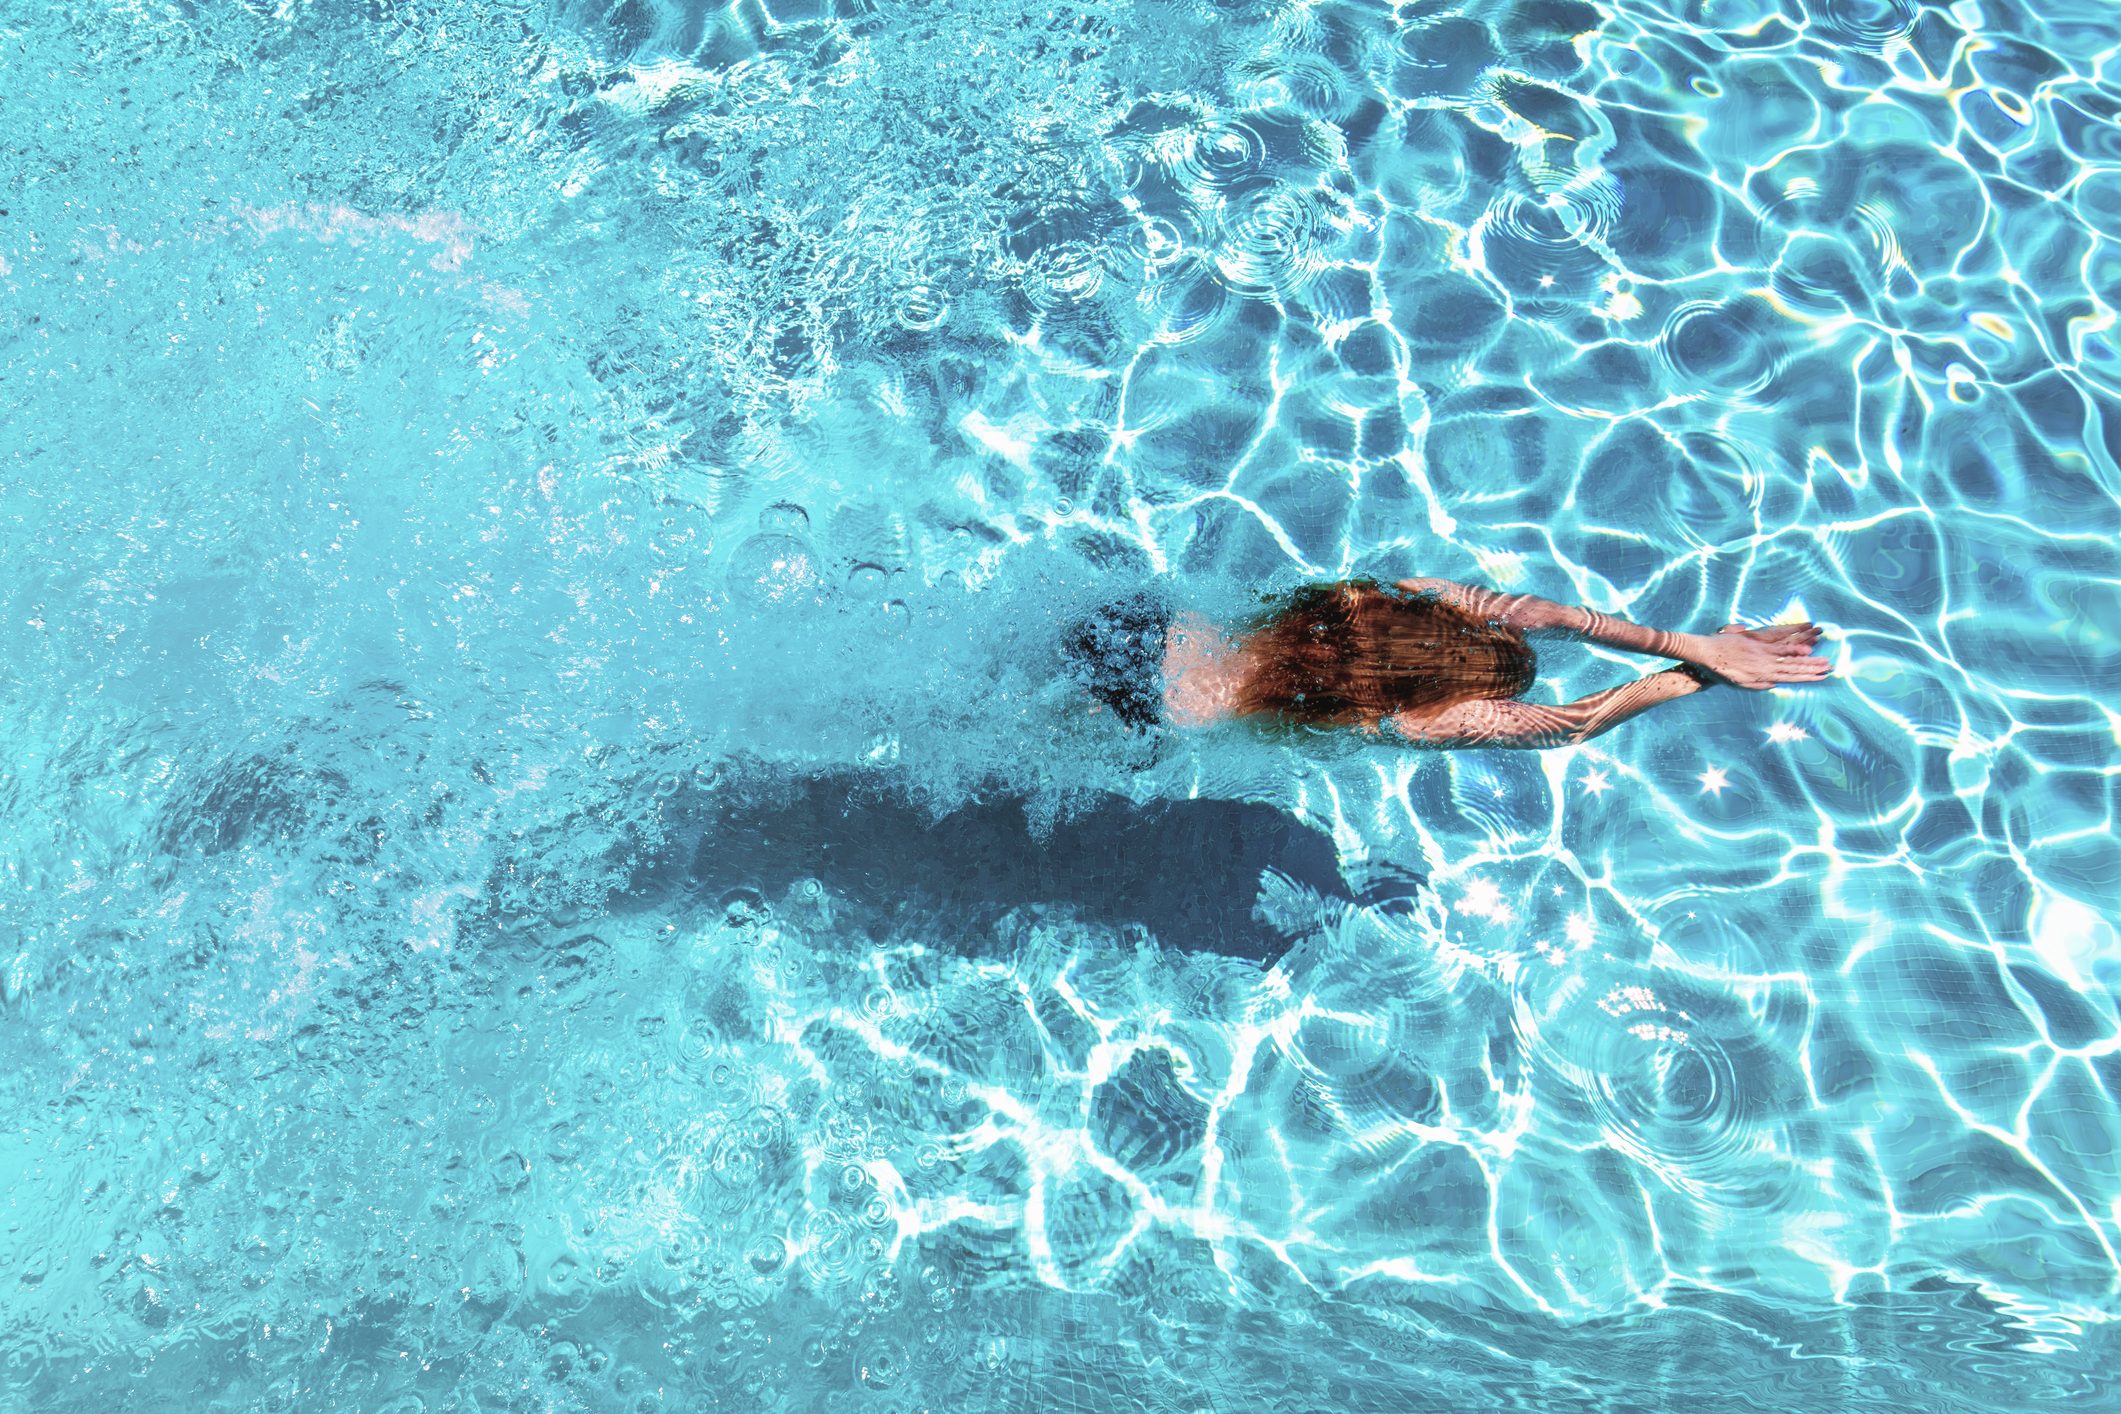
{"x":547,"y":864}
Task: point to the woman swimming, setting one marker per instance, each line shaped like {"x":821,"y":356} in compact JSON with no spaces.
{"x":1439,"y":663}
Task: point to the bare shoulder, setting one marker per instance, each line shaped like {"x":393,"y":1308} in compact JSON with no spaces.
{"x":1201,"y":671}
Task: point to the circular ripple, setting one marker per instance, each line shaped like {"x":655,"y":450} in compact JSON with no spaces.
{"x":1668,"y":1094}
{"x":1718,"y":500}
{"x":1443,"y":59}
{"x":1064,"y":273}
{"x":1307,"y":83}
{"x":1728,"y":350}
{"x":1275,"y":238}
{"x":1536,"y":250}
{"x":750,"y":1152}
{"x":1353,"y":1071}
{"x":1653,"y":1066}
{"x":1864,"y":24}
{"x":1876,"y":227}
{"x":1216,"y":156}
{"x":1816,"y":214}
{"x":1801,"y":202}
{"x":1815,"y":273}
{"x":1154,"y":243}
{"x":1587,"y":208}
{"x":1366,"y":1051}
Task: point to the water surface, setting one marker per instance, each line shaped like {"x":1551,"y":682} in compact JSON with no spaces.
{"x":531,"y":541}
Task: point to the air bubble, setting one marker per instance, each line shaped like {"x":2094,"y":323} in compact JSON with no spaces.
{"x":767,"y":1255}
{"x":743,"y":907}
{"x":511,"y":1173}
{"x":775,"y":570}
{"x":830,"y":1256}
{"x":867,"y":581}
{"x":879,"y":1367}
{"x":563,"y":1276}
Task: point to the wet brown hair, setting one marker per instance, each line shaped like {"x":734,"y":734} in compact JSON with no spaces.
{"x":1353,"y":653}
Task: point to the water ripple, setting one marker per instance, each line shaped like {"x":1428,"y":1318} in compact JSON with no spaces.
{"x":1872,"y":25}
{"x":1536,"y":249}
{"x":1729,"y":350}
{"x":1215,"y":156}
{"x":1275,"y":238}
{"x":1658,"y":1081}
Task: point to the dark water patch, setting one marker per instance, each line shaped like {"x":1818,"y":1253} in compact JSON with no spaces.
{"x":1187,"y":871}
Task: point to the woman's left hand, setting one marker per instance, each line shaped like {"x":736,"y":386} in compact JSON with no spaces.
{"x":1760,"y":658}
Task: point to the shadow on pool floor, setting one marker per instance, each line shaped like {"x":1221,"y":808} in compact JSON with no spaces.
{"x":1186,"y":870}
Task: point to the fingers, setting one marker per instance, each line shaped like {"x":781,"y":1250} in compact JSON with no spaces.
{"x":1773,"y":655}
{"x":1786,"y":662}
{"x":1786,"y":633}
{"x":1786,"y":640}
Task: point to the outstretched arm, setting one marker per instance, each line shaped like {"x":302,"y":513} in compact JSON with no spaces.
{"x":1755,"y":658}
{"x":1536,"y":725}
{"x":1532,"y":614}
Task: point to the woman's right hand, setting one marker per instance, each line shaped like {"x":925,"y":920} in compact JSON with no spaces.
{"x":1760,"y":658}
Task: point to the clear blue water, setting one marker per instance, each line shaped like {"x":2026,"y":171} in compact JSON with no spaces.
{"x":547,"y":864}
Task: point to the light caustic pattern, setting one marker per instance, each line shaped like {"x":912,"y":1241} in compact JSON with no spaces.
{"x":467,"y":446}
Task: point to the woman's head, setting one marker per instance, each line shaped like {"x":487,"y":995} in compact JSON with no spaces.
{"x":1354,"y":653}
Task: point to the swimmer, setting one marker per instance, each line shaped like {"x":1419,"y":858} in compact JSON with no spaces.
{"x":1428,"y":661}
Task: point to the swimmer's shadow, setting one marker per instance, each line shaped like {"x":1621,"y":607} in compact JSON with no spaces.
{"x":1188,"y":871}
